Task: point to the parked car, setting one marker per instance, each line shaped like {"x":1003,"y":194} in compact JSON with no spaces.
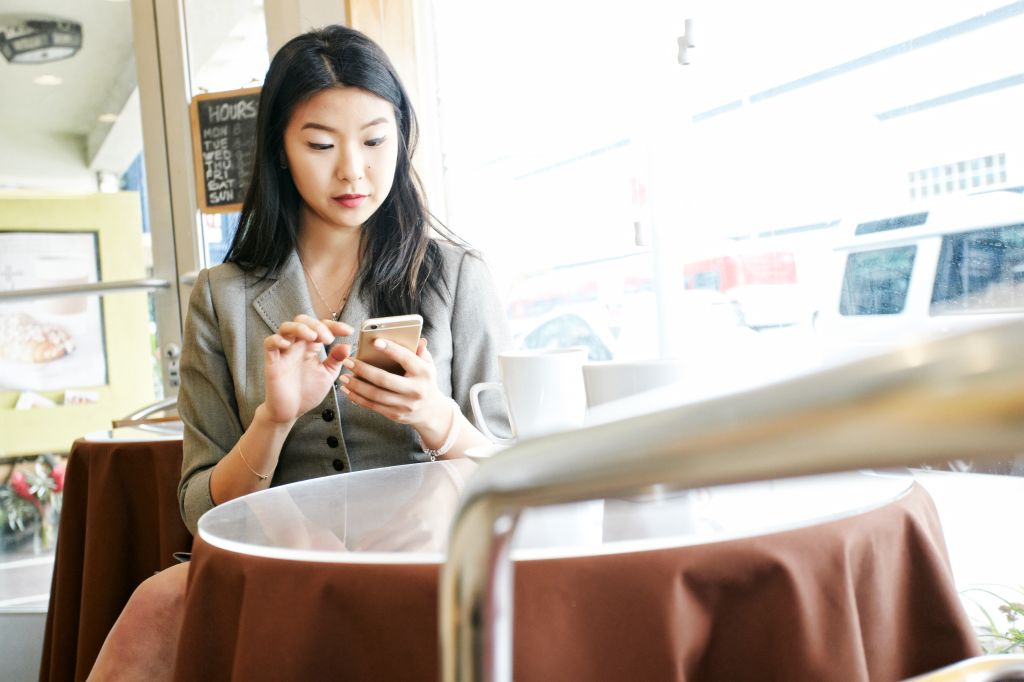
{"x":929,"y":271}
{"x":708,"y":322}
{"x":566,"y":329}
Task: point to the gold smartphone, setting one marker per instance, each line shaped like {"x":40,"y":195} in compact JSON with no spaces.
{"x":404,"y":330}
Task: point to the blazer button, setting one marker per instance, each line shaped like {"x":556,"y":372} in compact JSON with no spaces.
{"x":332,"y":441}
{"x":338,"y":465}
{"x":328,"y":415}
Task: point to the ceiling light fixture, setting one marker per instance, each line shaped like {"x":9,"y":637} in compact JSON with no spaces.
{"x":36,"y":41}
{"x":107,"y":118}
{"x":48,"y":79}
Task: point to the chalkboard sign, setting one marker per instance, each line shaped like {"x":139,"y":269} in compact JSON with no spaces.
{"x":223,"y":144}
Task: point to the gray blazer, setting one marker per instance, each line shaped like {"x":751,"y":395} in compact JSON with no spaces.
{"x":231,"y":312}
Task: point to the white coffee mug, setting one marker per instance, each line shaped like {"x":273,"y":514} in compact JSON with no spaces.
{"x":543,"y":392}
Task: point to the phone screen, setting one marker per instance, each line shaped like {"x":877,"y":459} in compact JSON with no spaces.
{"x":404,"y":330}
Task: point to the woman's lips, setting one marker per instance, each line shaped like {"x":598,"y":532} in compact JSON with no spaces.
{"x":350,"y":200}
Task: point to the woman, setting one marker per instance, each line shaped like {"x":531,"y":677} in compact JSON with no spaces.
{"x":333,"y":230}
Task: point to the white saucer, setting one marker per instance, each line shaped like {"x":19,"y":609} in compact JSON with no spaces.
{"x":482,"y":452}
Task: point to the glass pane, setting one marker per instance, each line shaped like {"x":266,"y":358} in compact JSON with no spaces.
{"x":227,"y":44}
{"x":73,"y":211}
{"x":548,"y":179}
{"x":876,"y":282}
{"x":979,"y":271}
{"x":845,"y":174}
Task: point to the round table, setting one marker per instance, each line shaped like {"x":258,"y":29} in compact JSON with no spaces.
{"x":832,"y":577}
{"x":119,"y":524}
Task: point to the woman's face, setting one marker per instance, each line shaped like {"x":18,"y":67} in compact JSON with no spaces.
{"x":342,"y":150}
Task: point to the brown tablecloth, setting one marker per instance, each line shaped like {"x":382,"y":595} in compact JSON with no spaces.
{"x":119,"y":524}
{"x":869,"y":597}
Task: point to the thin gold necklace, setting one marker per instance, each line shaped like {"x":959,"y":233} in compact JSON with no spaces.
{"x":335,"y":314}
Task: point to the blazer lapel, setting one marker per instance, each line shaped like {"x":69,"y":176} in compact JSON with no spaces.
{"x":285,"y":298}
{"x":289,"y":296}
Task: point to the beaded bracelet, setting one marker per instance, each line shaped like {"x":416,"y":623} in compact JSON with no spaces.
{"x":449,"y":441}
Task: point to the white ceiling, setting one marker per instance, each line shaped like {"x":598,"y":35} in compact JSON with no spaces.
{"x":52,"y":133}
{"x":88,"y":78}
{"x":52,"y":138}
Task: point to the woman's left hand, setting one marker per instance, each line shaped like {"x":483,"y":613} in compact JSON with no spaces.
{"x":413,"y":399}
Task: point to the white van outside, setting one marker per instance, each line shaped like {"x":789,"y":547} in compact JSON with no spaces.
{"x":931,"y":271}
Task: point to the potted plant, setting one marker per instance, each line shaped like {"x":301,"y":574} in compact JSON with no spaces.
{"x":30,"y":503}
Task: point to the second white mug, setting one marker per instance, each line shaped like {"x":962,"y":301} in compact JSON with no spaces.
{"x":543,"y":392}
{"x":613,"y":380}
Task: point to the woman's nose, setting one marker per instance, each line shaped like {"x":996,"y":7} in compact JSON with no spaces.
{"x":350,"y":165}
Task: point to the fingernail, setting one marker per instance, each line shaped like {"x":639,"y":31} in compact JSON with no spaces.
{"x":345,"y":379}
{"x":348,"y":363}
{"x":380,"y":343}
{"x":345,"y":390}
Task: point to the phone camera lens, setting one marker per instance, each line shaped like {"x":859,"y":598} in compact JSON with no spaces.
{"x":373,"y":326}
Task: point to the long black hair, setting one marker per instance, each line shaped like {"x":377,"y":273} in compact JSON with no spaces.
{"x":399,"y":260}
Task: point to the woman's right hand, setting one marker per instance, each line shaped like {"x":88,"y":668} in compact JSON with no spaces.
{"x":295,"y":379}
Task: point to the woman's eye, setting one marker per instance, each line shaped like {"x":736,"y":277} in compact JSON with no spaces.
{"x":318,"y":146}
{"x":375,"y":142}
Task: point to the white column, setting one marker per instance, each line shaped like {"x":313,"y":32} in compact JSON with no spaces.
{"x":404,"y":28}
{"x":288,"y":18}
{"x":163,"y":85}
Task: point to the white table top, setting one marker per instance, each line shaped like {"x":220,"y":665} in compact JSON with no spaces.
{"x":136,"y":434}
{"x":402,"y":515}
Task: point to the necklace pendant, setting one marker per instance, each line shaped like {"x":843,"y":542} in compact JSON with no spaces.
{"x":335,"y":315}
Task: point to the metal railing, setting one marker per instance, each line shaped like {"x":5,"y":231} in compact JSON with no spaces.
{"x":84,"y":289}
{"x":956,"y":397}
{"x":140,"y":419}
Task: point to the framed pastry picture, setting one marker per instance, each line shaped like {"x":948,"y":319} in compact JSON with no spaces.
{"x":52,"y":343}
{"x":71,"y":364}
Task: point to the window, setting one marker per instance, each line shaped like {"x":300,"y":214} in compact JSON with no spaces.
{"x":876,"y":282}
{"x":567,"y":123}
{"x":892,"y":223}
{"x":992,"y":162}
{"x":980,"y":271}
{"x":545,"y":171}
{"x":227,"y":51}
